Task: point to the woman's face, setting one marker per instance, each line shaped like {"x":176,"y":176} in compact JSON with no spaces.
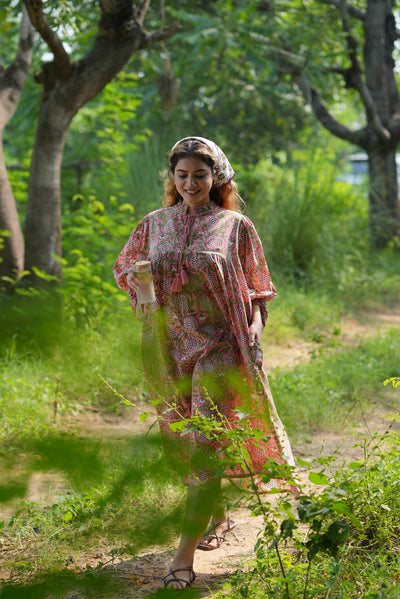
{"x":193,"y":179}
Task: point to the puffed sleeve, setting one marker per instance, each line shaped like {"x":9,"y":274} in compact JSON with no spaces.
{"x":258,"y":279}
{"x":135,"y":249}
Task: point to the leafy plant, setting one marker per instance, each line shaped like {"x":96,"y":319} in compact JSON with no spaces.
{"x":340,"y":541}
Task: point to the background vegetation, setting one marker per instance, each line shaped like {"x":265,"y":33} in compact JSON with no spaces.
{"x":64,"y":351}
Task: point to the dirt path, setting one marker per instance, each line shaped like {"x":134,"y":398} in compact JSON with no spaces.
{"x":142,"y":576}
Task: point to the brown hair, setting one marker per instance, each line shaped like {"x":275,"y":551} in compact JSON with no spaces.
{"x":226,"y":195}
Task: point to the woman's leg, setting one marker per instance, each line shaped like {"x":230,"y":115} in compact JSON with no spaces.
{"x":220,"y":525}
{"x":200,"y":504}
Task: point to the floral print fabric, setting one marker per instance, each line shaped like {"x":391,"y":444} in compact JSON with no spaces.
{"x":223,"y":171}
{"x":196,"y":352}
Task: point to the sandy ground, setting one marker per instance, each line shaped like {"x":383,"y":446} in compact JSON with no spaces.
{"x":142,"y":576}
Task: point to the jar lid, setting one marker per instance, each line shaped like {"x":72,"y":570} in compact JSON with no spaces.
{"x":142,"y":265}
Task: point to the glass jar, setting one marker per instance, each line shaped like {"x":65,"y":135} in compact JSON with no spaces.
{"x":145,"y":293}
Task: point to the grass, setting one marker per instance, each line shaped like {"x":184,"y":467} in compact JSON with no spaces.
{"x":336,"y":386}
{"x":300,"y":314}
{"x":40,"y":381}
{"x":117,"y":493}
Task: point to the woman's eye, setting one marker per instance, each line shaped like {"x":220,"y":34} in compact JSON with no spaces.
{"x":181,"y":177}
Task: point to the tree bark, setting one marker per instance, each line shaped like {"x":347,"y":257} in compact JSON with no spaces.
{"x":43,"y":217}
{"x":383,"y":197}
{"x":12,"y":246}
{"x":380,"y":35}
{"x":67,"y":87}
{"x":376,"y":85}
{"x":12,"y":81}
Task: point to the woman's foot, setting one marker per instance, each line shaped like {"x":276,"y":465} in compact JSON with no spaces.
{"x":179,"y":578}
{"x":216,"y":535}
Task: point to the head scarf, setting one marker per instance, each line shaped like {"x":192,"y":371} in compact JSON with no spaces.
{"x":223,"y":172}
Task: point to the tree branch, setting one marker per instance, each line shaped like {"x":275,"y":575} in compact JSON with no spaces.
{"x":332,"y":125}
{"x":324,"y":116}
{"x":41,"y":24}
{"x":355,"y":75}
{"x":351,"y":10}
{"x":25,"y":43}
{"x":142,"y":10}
{"x":161,"y":34}
{"x":25,"y":40}
{"x":12,"y":79}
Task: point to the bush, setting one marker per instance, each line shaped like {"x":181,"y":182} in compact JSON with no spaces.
{"x":340,"y":541}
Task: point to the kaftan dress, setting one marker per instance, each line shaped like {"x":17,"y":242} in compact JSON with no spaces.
{"x":208,"y":268}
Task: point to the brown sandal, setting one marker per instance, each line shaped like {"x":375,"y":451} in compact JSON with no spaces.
{"x":183,"y":584}
{"x":204,"y":544}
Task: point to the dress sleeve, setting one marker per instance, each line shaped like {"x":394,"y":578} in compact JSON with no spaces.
{"x":135,"y":249}
{"x":258,"y":279}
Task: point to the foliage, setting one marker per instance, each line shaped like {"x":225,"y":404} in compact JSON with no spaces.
{"x":312,"y":546}
{"x":95,"y":230}
{"x":314,"y":227}
{"x":121,"y":500}
{"x":340,"y":541}
{"x":103,"y":149}
{"x":215,"y":67}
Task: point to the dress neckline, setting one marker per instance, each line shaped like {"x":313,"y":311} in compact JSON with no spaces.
{"x":207,"y":208}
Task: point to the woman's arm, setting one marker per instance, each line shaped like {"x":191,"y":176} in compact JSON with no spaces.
{"x":256,"y":326}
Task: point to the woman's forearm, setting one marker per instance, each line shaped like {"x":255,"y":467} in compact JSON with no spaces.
{"x":256,"y":314}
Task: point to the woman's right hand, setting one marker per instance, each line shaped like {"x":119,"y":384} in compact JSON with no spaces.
{"x":132,"y":280}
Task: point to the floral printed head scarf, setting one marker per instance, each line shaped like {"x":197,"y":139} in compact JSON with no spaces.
{"x":223,"y":171}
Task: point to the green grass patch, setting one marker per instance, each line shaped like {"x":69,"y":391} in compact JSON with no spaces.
{"x":38,"y":385}
{"x":300,"y":314}
{"x":330,"y":390}
{"x":118,"y":493}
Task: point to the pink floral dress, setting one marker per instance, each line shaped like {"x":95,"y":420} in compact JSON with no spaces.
{"x":208,"y":269}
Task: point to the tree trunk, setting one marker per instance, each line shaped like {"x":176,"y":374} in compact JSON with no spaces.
{"x":375,"y":82}
{"x":12,"y":81}
{"x":12,"y":248}
{"x":383,"y":197}
{"x":380,"y":36}
{"x":68,"y":86}
{"x":43,"y":218}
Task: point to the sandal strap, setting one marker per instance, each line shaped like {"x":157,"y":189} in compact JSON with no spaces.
{"x":212,"y":534}
{"x":181,"y":581}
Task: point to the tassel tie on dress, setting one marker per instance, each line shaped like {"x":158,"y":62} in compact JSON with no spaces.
{"x":182,"y":277}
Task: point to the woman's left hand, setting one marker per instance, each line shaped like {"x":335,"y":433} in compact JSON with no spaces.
{"x":256,"y":328}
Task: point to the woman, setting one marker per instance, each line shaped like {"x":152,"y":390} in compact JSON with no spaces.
{"x":201,"y":337}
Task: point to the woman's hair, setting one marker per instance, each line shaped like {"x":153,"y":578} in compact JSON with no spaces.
{"x":226,"y":195}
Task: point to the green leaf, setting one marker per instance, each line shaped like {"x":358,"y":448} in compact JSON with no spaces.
{"x":178,"y":426}
{"x":356,"y":465}
{"x":317,"y":478}
{"x":143,"y":416}
{"x":343,"y":508}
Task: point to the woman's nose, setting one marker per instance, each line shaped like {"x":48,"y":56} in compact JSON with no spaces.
{"x":192,"y":181}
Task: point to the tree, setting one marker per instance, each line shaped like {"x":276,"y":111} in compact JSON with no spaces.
{"x":67,"y":86}
{"x":12,"y":80}
{"x":216,"y":81}
{"x":359,"y":49}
